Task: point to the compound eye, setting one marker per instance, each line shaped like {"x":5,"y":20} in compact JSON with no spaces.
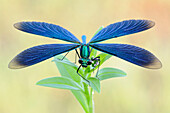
{"x":89,"y":62}
{"x":80,"y":61}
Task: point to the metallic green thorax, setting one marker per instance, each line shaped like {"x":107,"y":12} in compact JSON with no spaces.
{"x":84,"y":51}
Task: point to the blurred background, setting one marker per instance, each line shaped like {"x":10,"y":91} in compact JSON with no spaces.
{"x":142,"y":91}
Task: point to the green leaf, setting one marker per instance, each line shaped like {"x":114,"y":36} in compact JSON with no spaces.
{"x":100,"y":28}
{"x":95,"y":83}
{"x":61,"y":83}
{"x":81,"y":99}
{"x":87,"y":70}
{"x":65,"y":60}
{"x":107,"y":73}
{"x":104,"y":57}
{"x":59,"y":57}
{"x":93,"y":53}
{"x":68,"y":69}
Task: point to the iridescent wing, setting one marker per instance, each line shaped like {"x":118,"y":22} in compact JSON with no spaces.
{"x":122,"y":28}
{"x":47,"y":30}
{"x":130,"y":53}
{"x":39,"y":53}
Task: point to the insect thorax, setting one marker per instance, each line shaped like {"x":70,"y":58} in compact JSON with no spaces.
{"x":84,"y":51}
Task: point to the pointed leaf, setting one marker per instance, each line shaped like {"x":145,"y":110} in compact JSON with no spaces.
{"x":100,"y":28}
{"x":104,"y":57}
{"x":95,"y":83}
{"x":87,"y":70}
{"x":59,"y":57}
{"x":65,"y":60}
{"x":93,"y":53}
{"x":61,"y":83}
{"x":81,"y":99}
{"x":68,"y":69}
{"x":107,"y":73}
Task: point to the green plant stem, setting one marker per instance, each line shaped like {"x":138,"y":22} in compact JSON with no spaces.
{"x":91,"y":102}
{"x":89,"y":97}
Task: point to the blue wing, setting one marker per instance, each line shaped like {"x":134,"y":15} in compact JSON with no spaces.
{"x":47,"y":30}
{"x":122,"y":28}
{"x":133,"y":54}
{"x":39,"y":53}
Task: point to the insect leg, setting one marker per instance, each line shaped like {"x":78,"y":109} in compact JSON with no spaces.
{"x":77,"y":53}
{"x":75,"y":58}
{"x":81,"y":75}
{"x":67,"y":54}
{"x":64,"y":56}
{"x":98,"y":68}
{"x":97,"y":59}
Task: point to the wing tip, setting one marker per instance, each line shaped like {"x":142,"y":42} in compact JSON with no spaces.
{"x":150,"y":23}
{"x":21,"y":25}
{"x":14,"y":64}
{"x":156,"y":64}
{"x":18,"y":25}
